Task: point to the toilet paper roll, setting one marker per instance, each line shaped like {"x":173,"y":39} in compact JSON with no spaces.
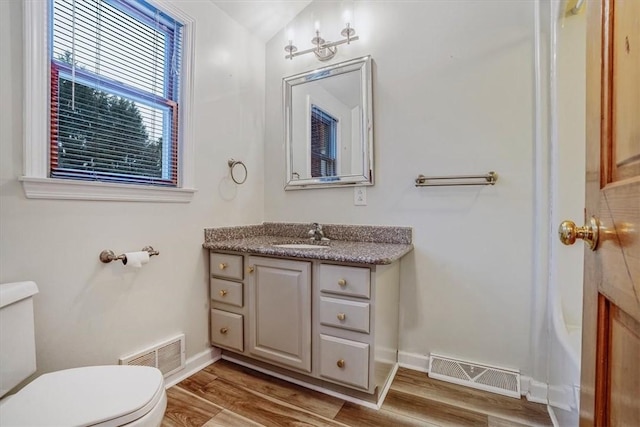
{"x":136,"y":259}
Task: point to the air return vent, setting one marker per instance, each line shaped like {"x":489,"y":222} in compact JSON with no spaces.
{"x":168,"y":356}
{"x":483,"y":377}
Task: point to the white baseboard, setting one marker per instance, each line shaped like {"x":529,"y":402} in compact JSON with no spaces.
{"x":552,"y":415}
{"x":413,"y":361}
{"x":193,"y":365}
{"x":535,"y":391}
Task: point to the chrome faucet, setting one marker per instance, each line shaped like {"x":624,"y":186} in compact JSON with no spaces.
{"x":316,"y":232}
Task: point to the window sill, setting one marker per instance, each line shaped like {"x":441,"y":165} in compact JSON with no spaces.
{"x":51,"y":188}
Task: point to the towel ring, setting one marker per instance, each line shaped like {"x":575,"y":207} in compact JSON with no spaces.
{"x":232,"y":164}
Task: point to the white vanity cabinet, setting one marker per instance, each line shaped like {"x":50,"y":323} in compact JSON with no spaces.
{"x":333,"y":325}
{"x":228,"y":311}
{"x":357,"y":316}
{"x":279,"y":292}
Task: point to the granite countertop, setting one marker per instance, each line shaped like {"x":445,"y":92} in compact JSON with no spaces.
{"x":353,"y":244}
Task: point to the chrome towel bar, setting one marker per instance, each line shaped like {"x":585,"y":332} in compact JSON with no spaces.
{"x":108,"y":255}
{"x":424,"y":181}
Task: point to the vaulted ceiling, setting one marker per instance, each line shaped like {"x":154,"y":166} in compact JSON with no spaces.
{"x":263,"y":18}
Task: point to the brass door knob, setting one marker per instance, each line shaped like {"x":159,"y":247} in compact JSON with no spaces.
{"x":569,"y":232}
{"x":340,"y":363}
{"x":222,"y":266}
{"x":223,"y":292}
{"x":250,"y":269}
{"x":342,"y":316}
{"x":224,"y":330}
{"x":342,"y":282}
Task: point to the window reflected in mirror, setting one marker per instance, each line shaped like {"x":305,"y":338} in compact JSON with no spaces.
{"x":324,"y":140}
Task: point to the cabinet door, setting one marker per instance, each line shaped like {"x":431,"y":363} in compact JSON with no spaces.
{"x":280,"y":311}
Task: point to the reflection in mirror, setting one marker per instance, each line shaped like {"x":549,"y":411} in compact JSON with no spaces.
{"x":328,"y":126}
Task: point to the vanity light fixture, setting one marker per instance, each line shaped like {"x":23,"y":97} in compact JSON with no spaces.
{"x":323,"y":49}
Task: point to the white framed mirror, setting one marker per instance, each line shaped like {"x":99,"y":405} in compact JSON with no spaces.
{"x":328,"y":122}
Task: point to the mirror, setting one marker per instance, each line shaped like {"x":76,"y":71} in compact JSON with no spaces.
{"x":329,"y":126}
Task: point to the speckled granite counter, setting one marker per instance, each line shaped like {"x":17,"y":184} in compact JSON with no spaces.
{"x":348,"y":243}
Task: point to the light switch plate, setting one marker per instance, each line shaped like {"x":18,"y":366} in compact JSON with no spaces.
{"x":360,"y":196}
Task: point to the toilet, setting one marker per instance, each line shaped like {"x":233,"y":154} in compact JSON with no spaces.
{"x":95,"y":395}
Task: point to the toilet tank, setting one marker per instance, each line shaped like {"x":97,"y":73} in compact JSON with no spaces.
{"x":17,"y":334}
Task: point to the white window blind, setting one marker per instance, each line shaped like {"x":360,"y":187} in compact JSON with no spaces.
{"x":115,"y":68}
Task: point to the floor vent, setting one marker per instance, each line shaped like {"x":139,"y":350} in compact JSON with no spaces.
{"x":497,"y":380}
{"x":167,"y":356}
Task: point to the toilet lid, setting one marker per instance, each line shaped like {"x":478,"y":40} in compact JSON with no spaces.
{"x":108,"y":395}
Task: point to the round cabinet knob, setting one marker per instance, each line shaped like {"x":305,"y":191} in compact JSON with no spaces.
{"x":342,"y":282}
{"x":569,"y":232}
{"x":224,"y":330}
{"x":223,"y":292}
{"x":250,"y":269}
{"x":340,"y":363}
{"x":222,"y":265}
{"x":342,"y":316}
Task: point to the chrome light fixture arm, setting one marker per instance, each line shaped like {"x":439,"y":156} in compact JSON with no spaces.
{"x":323,"y":50}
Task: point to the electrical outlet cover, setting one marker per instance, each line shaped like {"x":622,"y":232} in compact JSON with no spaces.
{"x":360,"y":196}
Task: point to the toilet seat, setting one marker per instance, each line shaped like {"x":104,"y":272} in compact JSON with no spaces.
{"x":95,"y":395}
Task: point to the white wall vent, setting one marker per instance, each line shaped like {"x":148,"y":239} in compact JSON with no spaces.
{"x":168,"y":356}
{"x":489,"y":378}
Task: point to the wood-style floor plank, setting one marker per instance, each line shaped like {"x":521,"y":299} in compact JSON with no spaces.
{"x":316,"y":402}
{"x":260,"y":408}
{"x":186,"y":410}
{"x":226,"y":394}
{"x":432,"y":411}
{"x":499,"y":422}
{"x":356,"y":415}
{"x":198,"y":380}
{"x":503,"y":407}
{"x":230,"y":419}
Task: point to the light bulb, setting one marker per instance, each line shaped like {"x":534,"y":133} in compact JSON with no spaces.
{"x":317,"y":25}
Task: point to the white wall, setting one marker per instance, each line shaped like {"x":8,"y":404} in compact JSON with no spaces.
{"x":91,"y":313}
{"x":453,"y":94}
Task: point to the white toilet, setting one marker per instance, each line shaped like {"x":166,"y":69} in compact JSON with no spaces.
{"x":96,"y":395}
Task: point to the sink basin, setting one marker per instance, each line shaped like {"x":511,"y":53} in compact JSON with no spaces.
{"x":301,"y":246}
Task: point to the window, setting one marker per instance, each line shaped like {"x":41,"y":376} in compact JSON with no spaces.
{"x":324,"y":135}
{"x":114,"y":92}
{"x":116,"y":101}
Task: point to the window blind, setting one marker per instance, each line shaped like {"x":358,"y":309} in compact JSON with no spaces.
{"x":114,"y":91}
{"x":323,"y":143}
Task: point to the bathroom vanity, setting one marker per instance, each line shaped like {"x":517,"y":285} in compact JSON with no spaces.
{"x":322,"y":316}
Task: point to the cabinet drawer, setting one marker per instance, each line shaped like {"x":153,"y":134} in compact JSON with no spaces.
{"x":344,"y":361}
{"x":344,"y":314}
{"x":227,"y":266}
{"x":226,"y":330}
{"x":343,"y":280}
{"x":226,"y":291}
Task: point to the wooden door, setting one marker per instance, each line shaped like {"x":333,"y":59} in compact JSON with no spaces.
{"x":610,"y":383}
{"x":280,"y":311}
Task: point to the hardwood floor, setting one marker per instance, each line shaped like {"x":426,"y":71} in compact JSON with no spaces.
{"x":225,"y":394}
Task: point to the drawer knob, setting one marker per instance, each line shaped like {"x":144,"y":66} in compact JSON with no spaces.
{"x":222,"y":265}
{"x":342,"y":316}
{"x":224,"y":330}
{"x":223,"y":292}
{"x":342,"y":282}
{"x":250,"y":269}
{"x":340,"y":363}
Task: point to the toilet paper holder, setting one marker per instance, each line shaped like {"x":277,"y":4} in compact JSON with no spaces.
{"x":108,"y":255}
